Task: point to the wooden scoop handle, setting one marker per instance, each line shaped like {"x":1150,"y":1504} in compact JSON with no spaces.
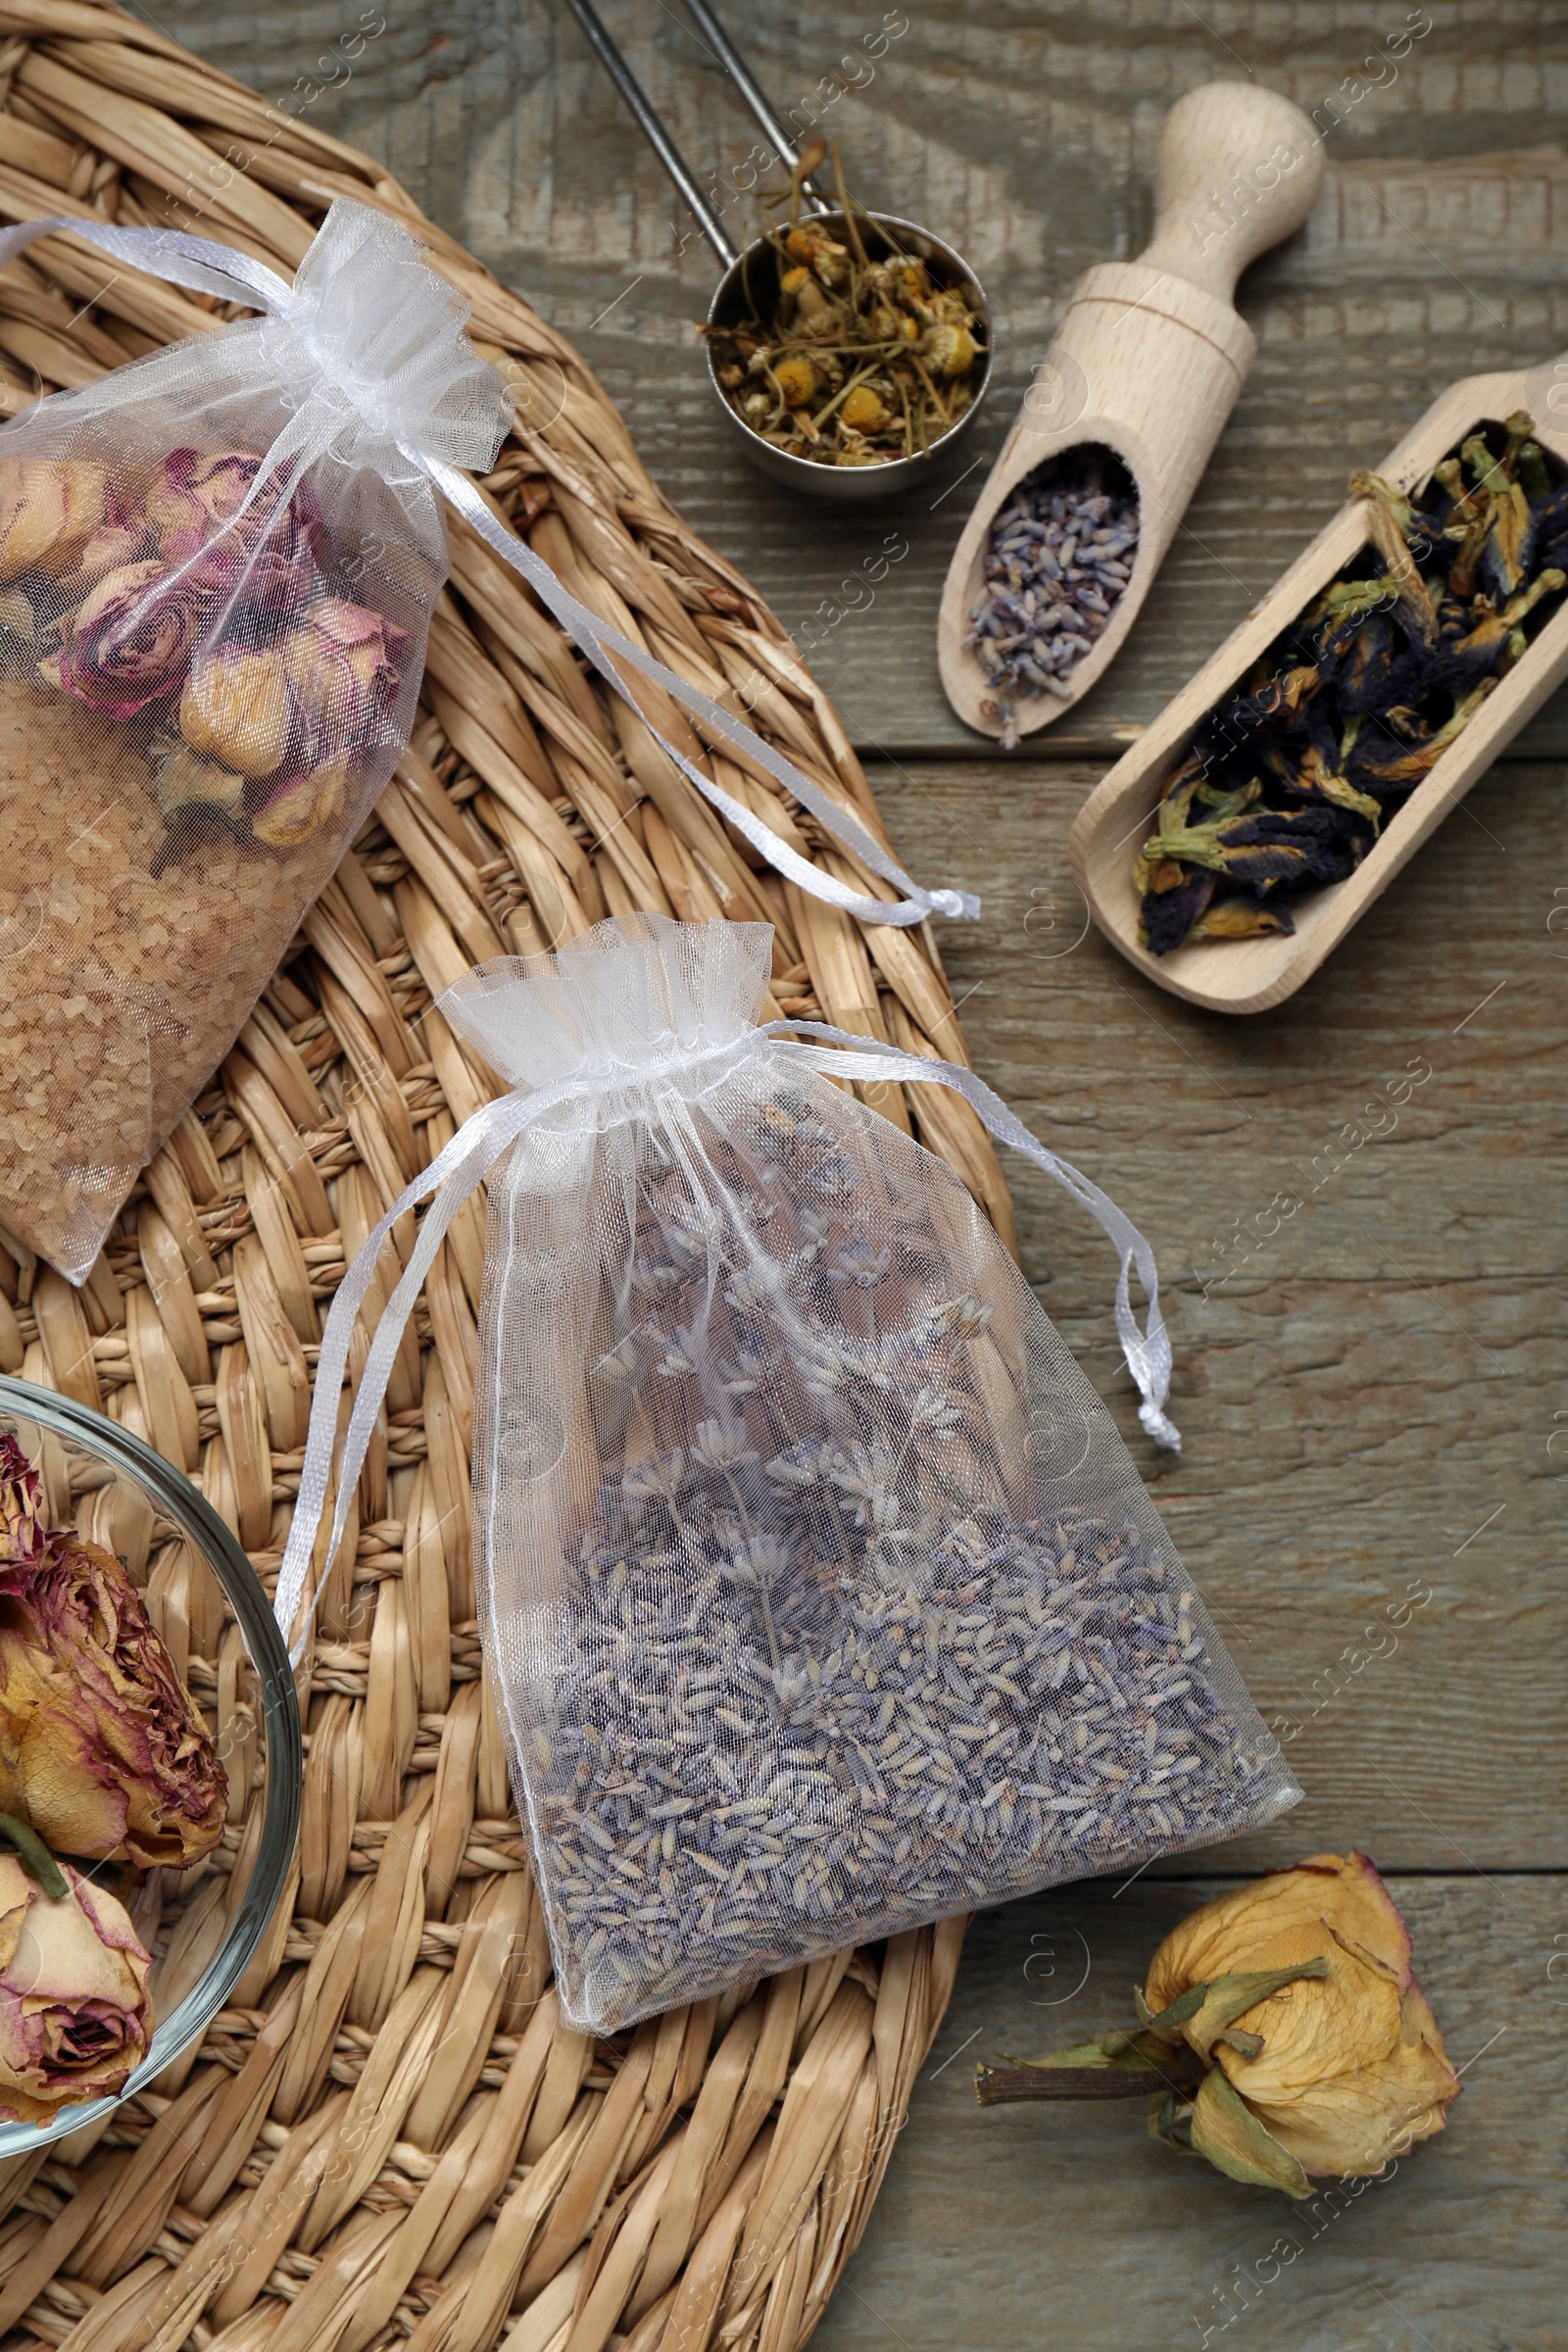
{"x":1147,"y":360}
{"x":1236,"y":169}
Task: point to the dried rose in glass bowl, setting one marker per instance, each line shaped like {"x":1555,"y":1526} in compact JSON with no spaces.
{"x":178,"y":1785}
{"x":75,"y":2014}
{"x":102,"y":1751}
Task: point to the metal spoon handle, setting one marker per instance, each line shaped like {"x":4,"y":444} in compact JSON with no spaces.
{"x":654,"y":131}
{"x":740,"y":74}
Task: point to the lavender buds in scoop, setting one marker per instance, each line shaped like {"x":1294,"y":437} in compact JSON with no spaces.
{"x":1061,"y":556}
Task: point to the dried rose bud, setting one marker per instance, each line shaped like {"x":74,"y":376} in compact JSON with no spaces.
{"x":301,"y":805}
{"x":102,"y":1751}
{"x":343,"y":676}
{"x":192,"y":503}
{"x":49,"y":509}
{"x":191,"y":495}
{"x":76,"y":2020}
{"x":262,"y":590}
{"x":119,"y":538}
{"x":1335,"y":2063}
{"x":22,"y":1534}
{"x":236,"y":709}
{"x":257,"y":560}
{"x":131,"y":642}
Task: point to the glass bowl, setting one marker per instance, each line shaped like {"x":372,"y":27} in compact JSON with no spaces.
{"x":202,"y":1924}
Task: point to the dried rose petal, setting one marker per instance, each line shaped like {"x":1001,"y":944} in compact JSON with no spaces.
{"x":102,"y":1751}
{"x":193,"y":501}
{"x":76,"y":2019}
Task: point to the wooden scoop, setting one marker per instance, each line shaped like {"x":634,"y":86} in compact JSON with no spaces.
{"x":1248,"y":975}
{"x":1147,"y":362}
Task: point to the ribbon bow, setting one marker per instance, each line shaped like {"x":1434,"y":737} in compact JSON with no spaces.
{"x":369,"y":334}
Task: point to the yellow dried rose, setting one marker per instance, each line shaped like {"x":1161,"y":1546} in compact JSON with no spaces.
{"x":49,"y":509}
{"x":76,"y":2016}
{"x":236,"y":709}
{"x":1335,"y":2056}
{"x":1283,"y":2034}
{"x":301,"y":805}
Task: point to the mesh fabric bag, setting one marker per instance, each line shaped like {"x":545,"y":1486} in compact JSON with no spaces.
{"x":217,"y":572}
{"x":819,"y":1591}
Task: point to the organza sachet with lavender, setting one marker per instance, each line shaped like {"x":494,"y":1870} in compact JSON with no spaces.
{"x":820,"y":1593}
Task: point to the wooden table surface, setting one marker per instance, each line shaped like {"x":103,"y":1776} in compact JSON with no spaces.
{"x":1371,"y":1382}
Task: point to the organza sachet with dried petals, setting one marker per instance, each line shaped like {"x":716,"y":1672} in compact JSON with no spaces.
{"x":820,"y":1593}
{"x":215,"y":578}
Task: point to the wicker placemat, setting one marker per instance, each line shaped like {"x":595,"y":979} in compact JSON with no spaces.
{"x":387,"y":2137}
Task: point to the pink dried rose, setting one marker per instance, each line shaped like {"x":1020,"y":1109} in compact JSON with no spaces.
{"x":299,"y":710}
{"x":22,"y":1534}
{"x":190,"y":495}
{"x":76,"y":2019}
{"x":342,"y":674}
{"x":257,"y":561}
{"x":131,"y":642}
{"x":102,"y":1751}
{"x":192,"y":503}
{"x":49,"y":509}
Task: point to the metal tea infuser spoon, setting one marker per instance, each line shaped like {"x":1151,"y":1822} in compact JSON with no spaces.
{"x":743,"y":266}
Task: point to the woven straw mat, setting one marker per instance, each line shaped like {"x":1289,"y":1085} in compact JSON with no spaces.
{"x":388,"y":2137}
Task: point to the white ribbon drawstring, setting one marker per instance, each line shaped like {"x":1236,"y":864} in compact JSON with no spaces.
{"x":460,"y":1169}
{"x":375,"y":334}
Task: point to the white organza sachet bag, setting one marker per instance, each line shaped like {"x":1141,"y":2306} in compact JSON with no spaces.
{"x":819,"y":1591}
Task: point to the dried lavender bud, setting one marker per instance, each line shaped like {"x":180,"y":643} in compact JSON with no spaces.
{"x":998,"y":1703}
{"x":1061,"y":554}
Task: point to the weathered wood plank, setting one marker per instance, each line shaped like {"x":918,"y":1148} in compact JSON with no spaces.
{"x":1025,"y":134}
{"x":1020,"y":2226}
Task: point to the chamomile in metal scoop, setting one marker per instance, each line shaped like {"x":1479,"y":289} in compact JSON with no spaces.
{"x":849,"y":349}
{"x":842,"y":340}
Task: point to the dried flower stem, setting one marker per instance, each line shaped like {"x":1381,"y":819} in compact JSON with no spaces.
{"x":1005,"y":2086}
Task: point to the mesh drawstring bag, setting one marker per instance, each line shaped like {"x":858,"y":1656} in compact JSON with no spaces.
{"x":820,"y":1595}
{"x":215,"y":579}
{"x":217,"y":566}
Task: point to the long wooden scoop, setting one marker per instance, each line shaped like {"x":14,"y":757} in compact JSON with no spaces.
{"x":1248,"y":975}
{"x":1147,"y":362}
